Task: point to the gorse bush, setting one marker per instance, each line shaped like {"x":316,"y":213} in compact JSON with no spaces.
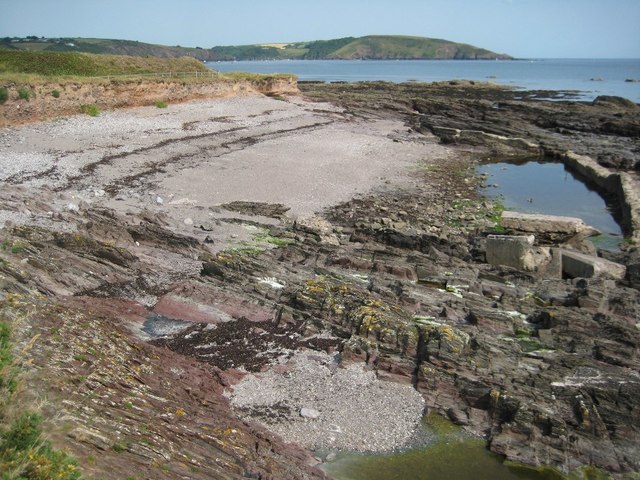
{"x":24,"y":433}
{"x":55,"y":94}
{"x":24,"y":93}
{"x":90,"y":109}
{"x":24,"y":454}
{"x":4,"y":95}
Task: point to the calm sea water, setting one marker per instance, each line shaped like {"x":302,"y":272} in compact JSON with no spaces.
{"x":608,"y":75}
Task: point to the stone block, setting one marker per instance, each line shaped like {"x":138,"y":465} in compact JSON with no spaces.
{"x":579,"y":265}
{"x":512,"y":251}
{"x":546,"y":225}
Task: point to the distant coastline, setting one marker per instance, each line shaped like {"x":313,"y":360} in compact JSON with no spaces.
{"x":373,"y":47}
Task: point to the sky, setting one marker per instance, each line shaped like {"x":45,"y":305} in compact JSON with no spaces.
{"x":521,"y":28}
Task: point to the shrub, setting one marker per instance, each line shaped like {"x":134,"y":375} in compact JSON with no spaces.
{"x":24,"y":93}
{"x":90,"y":109}
{"x":4,"y":95}
{"x":24,"y":433}
{"x":55,"y":94}
{"x":161,"y":104}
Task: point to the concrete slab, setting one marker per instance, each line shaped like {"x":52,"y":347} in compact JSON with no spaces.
{"x":579,"y":265}
{"x":539,"y":224}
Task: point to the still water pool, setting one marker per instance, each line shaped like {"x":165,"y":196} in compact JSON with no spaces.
{"x":549,"y":188}
{"x":450,"y":454}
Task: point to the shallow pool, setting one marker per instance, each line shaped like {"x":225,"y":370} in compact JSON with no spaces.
{"x":448,"y":453}
{"x":549,"y":188}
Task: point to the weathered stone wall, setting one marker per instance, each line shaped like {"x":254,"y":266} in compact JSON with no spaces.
{"x":621,"y":184}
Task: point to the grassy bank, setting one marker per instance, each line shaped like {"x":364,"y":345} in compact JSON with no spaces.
{"x":85,"y":64}
{"x":34,"y":68}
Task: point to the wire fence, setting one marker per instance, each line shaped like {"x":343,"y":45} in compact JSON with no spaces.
{"x":193,"y":74}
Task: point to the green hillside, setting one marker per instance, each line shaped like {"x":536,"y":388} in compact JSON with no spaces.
{"x":370,"y":47}
{"x":400,"y":47}
{"x":381,"y":47}
{"x":102,"y":46}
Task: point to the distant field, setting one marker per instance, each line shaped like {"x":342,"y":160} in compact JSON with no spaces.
{"x":274,"y":45}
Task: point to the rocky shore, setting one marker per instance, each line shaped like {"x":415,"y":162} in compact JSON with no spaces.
{"x":214,"y":289}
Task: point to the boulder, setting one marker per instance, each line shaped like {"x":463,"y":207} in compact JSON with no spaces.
{"x":310,"y":413}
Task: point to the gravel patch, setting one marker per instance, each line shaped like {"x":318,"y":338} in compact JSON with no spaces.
{"x":313,"y":402}
{"x":17,"y":218}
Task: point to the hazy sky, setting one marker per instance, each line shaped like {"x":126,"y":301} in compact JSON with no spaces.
{"x":522,"y":28}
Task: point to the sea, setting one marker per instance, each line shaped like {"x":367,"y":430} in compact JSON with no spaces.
{"x":588,"y":77}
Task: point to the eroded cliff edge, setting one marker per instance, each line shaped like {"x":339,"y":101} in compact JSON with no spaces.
{"x":109,"y":93}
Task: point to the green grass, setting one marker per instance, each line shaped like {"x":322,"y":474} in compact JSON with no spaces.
{"x":15,"y":246}
{"x":24,"y":452}
{"x":4,"y":95}
{"x":161,"y":104}
{"x":277,"y":241}
{"x":24,"y":93}
{"x":495,"y":215}
{"x":90,"y":109}
{"x":119,"y":447}
{"x":86,"y":64}
{"x":55,"y":94}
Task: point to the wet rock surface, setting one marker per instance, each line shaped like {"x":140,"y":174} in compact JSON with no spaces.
{"x":390,"y":282}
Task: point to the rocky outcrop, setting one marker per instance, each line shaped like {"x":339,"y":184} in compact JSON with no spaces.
{"x":498,"y":145}
{"x":142,"y":321}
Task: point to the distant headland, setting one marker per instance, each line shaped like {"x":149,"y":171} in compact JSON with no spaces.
{"x":372,"y":47}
